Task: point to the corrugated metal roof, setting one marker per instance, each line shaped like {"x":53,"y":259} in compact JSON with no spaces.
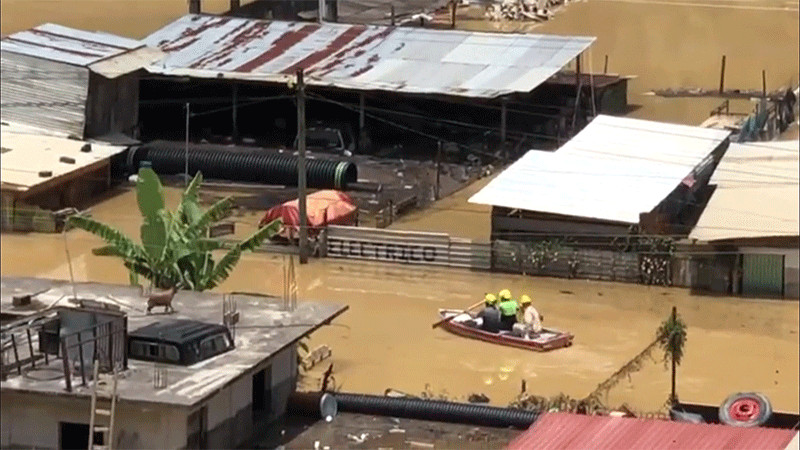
{"x":27,"y":151}
{"x":614,"y":169}
{"x":573,"y":431}
{"x":67,"y":45}
{"x":44,"y":93}
{"x":757,"y":194}
{"x":362,"y":57}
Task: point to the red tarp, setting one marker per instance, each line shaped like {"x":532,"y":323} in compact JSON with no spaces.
{"x":322,"y":208}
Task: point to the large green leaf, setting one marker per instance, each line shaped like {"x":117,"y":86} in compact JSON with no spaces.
{"x":149,"y":193}
{"x":154,"y":237}
{"x":125,"y":246}
{"x":218,"y":211}
{"x":188,"y":209}
{"x":223,"y":269}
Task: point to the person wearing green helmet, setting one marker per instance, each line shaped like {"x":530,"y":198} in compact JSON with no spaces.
{"x":490,"y":315}
{"x":508,"y":310}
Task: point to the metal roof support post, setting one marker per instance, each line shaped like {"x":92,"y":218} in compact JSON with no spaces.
{"x":361,"y":121}
{"x":321,"y":8}
{"x":194,"y":7}
{"x":234,"y":112}
{"x":577,"y":93}
{"x":503,"y":106}
{"x":722,"y":76}
{"x":392,"y":14}
{"x":301,"y":166}
{"x":235,"y":4}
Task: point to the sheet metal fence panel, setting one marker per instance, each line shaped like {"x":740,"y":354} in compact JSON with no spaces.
{"x":406,"y":247}
{"x":470,"y":255}
{"x":520,"y":257}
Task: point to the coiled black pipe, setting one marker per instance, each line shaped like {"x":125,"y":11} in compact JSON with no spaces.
{"x":436,"y":410}
{"x":222,"y":163}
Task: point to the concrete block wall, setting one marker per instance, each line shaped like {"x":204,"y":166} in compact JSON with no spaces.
{"x":33,"y":420}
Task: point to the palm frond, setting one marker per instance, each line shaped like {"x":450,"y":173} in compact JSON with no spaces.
{"x":263,"y":233}
{"x":126,"y":246}
{"x":218,"y":211}
{"x":226,"y":264}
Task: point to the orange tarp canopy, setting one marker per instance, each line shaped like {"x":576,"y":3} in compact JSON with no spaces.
{"x":322,"y":208}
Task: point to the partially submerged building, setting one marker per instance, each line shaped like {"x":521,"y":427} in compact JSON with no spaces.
{"x":748,"y":235}
{"x":578,"y":211}
{"x":41,"y":174}
{"x":616,"y":173}
{"x":79,"y":83}
{"x":239,"y":375}
{"x":424,"y":84}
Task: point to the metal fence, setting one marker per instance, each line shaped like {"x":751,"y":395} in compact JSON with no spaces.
{"x":565,"y":262}
{"x":406,"y":247}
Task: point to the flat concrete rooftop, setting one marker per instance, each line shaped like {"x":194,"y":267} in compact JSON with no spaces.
{"x":264,"y":328}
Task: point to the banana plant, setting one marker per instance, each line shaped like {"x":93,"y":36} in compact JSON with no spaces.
{"x":174,"y":249}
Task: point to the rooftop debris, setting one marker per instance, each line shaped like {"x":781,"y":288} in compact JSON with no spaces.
{"x":538,"y":10}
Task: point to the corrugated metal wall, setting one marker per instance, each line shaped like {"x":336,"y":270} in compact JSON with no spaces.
{"x":112,"y":105}
{"x":406,"y":247}
{"x":43,"y":93}
{"x":762,"y":274}
{"x":520,"y":257}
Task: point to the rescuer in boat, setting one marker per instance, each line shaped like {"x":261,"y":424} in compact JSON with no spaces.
{"x":490,"y":315}
{"x":508,"y":310}
{"x":530,"y":321}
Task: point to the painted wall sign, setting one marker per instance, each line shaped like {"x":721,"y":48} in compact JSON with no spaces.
{"x":388,"y":251}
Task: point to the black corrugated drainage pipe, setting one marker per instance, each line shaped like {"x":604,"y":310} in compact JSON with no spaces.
{"x":434,"y":410}
{"x":223,"y":163}
{"x":320,"y":404}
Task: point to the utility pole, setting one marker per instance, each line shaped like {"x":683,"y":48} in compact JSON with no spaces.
{"x":301,"y":166}
{"x":186,"y":149}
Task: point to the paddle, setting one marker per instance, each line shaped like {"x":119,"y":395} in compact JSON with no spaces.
{"x":455,"y":315}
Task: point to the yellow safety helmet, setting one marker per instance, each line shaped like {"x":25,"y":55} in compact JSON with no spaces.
{"x":490,"y":299}
{"x":525,"y":300}
{"x":505,"y":294}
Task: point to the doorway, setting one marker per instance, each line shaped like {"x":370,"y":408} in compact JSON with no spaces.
{"x":262,"y":392}
{"x":75,"y":436}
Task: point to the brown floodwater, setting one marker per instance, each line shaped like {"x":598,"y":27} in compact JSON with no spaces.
{"x":385,"y":339}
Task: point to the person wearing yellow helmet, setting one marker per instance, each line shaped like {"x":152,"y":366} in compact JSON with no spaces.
{"x":508,"y":310}
{"x":531,"y":320}
{"x":490,"y":315}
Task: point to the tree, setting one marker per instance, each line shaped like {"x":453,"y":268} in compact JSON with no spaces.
{"x":671,"y":337}
{"x":175,"y":250}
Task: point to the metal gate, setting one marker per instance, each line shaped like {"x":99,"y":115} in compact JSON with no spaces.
{"x":762,"y":275}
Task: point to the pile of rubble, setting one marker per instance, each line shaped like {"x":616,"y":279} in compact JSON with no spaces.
{"x":539,"y":10}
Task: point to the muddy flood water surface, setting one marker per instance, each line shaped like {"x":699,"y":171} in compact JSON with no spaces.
{"x":385,"y":340}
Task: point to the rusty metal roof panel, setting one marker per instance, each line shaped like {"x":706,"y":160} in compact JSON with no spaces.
{"x":67,"y":45}
{"x":571,"y":431}
{"x":412,"y":60}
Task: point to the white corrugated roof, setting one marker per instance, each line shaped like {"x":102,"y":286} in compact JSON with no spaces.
{"x":757,"y":194}
{"x":27,"y":151}
{"x":67,"y":45}
{"x":414,"y":60}
{"x":614,"y":169}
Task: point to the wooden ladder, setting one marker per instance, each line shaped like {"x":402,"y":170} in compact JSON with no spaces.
{"x":104,"y":404}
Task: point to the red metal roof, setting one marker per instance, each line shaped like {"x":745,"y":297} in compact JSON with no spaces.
{"x":573,"y":431}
